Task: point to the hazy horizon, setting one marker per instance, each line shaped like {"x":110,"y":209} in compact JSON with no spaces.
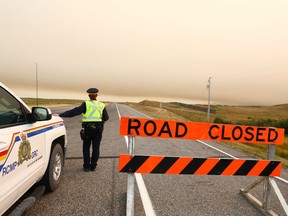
{"x":155,"y":50}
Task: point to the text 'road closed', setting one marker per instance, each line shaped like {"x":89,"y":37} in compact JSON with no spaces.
{"x":202,"y":131}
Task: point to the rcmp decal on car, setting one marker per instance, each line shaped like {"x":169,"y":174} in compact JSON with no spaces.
{"x":25,"y":152}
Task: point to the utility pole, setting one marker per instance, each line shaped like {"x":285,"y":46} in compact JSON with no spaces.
{"x":208,"y":87}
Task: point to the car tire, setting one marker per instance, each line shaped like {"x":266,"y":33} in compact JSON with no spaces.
{"x":54,"y":170}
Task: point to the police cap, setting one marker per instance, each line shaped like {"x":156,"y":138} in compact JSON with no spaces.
{"x":92,"y":91}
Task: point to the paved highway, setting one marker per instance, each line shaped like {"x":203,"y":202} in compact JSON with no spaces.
{"x":104,"y":192}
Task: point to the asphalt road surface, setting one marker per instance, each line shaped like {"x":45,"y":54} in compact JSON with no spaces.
{"x":104,"y":192}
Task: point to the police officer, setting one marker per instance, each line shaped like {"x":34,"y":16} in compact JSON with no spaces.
{"x":94,"y":114}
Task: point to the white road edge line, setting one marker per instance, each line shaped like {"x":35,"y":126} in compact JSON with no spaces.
{"x":216,"y":149}
{"x":146,"y":201}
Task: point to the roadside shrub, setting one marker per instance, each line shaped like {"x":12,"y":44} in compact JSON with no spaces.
{"x":263,"y":123}
{"x":266,"y":123}
{"x":219,"y":120}
{"x":283,"y":124}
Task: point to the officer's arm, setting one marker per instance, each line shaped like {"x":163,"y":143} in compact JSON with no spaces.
{"x":105,"y":115}
{"x":75,"y":111}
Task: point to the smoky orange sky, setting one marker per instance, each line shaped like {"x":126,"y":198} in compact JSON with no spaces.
{"x":162,"y":50}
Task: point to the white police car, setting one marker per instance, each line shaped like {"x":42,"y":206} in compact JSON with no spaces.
{"x":32,"y":148}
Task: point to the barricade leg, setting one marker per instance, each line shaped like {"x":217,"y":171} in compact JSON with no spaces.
{"x":130,"y":181}
{"x":130,"y":195}
{"x":267,"y":195}
{"x":269,"y":184}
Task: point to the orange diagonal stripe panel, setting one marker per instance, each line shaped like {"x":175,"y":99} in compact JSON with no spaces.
{"x":123,"y":160}
{"x":258,"y":168}
{"x":233,"y":167}
{"x":207,"y":166}
{"x":179,"y":165}
{"x":149,"y":164}
{"x":277,"y":170}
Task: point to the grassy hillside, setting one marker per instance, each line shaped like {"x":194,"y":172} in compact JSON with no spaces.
{"x":231,"y":114}
{"x":50,"y":102}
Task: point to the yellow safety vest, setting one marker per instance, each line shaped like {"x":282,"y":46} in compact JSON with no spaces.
{"x":94,"y":110}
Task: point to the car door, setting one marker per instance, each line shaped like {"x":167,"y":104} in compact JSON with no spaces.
{"x":22,"y":149}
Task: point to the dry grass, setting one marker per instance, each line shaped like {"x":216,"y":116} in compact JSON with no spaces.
{"x":236,"y":113}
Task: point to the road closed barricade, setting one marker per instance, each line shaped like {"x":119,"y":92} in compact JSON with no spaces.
{"x":156,"y":128}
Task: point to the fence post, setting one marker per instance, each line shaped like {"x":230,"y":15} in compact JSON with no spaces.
{"x":130,"y":181}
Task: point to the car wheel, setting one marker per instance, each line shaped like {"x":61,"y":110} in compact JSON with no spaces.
{"x":54,"y":170}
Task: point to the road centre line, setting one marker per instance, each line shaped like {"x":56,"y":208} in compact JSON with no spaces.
{"x":225,"y":153}
{"x":146,"y":201}
{"x":281,"y":179}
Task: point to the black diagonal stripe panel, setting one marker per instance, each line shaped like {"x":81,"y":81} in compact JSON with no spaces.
{"x":134,"y":164}
{"x":164,"y":164}
{"x":269,"y":168}
{"x":193,"y":166}
{"x":246,"y":167}
{"x":220,"y":167}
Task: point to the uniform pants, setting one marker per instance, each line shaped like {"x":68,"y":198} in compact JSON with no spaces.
{"x":94,"y":137}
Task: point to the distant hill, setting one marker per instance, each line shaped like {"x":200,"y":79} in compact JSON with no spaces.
{"x":195,"y":107}
{"x":50,"y":102}
{"x":226,"y":112}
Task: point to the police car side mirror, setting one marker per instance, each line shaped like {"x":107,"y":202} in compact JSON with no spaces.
{"x":41,"y":114}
